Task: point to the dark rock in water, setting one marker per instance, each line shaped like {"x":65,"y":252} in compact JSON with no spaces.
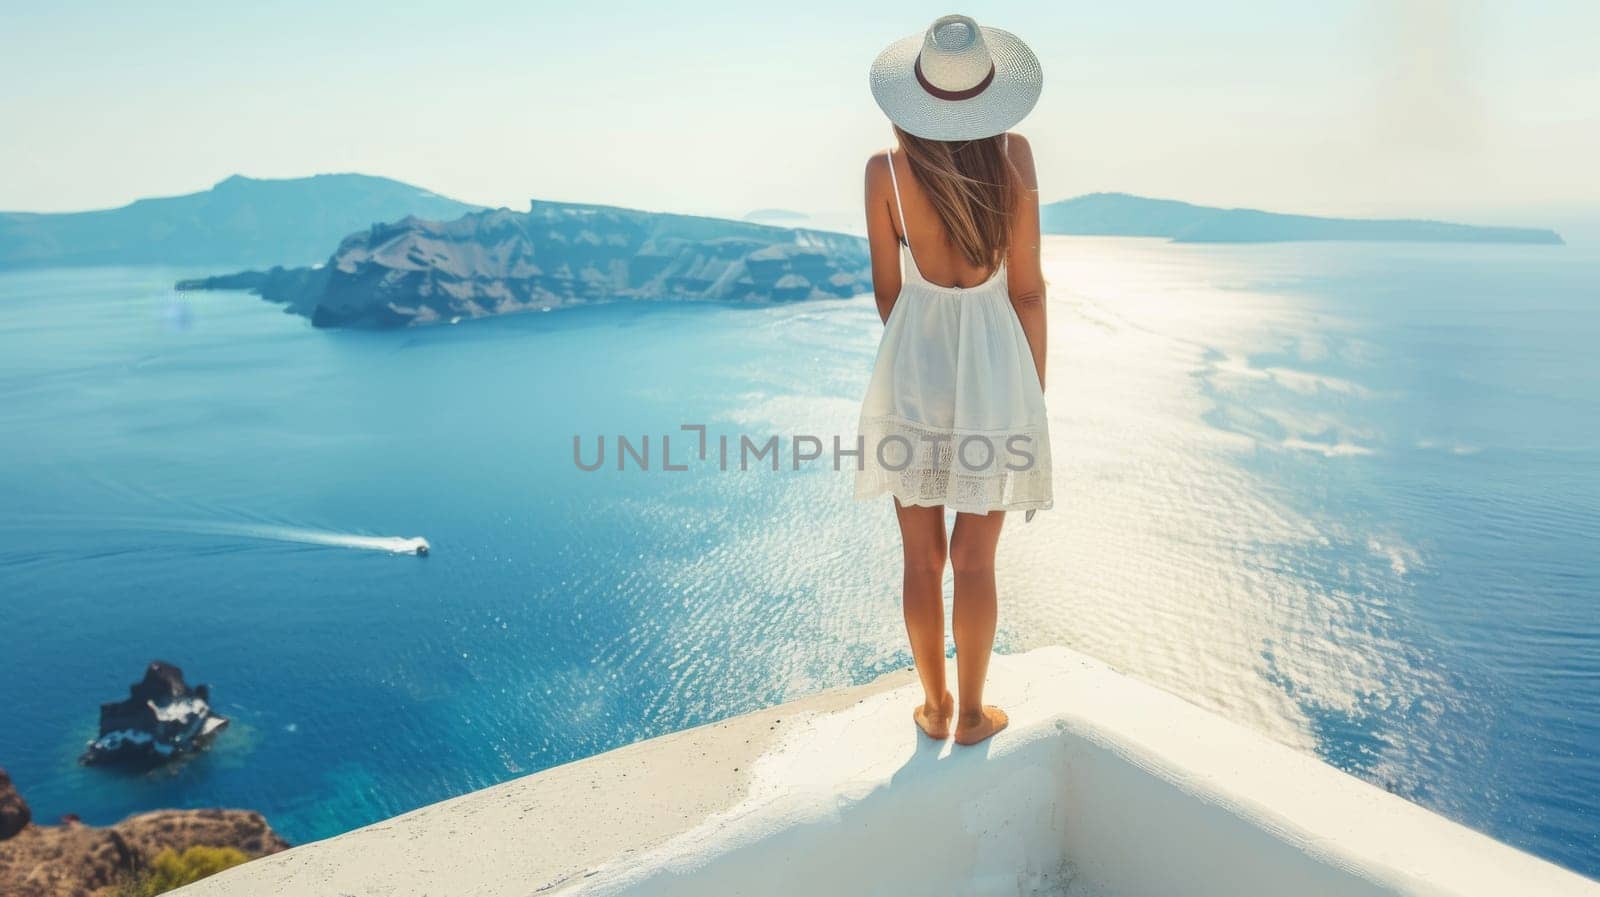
{"x":14,"y":812}
{"x":555,"y":255}
{"x":162,"y":719}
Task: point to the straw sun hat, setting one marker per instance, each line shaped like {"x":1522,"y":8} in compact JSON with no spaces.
{"x":956,"y":81}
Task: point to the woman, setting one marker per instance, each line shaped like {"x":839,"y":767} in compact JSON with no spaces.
{"x":955,"y":417}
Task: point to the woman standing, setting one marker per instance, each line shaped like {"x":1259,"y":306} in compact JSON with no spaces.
{"x":955,"y":416}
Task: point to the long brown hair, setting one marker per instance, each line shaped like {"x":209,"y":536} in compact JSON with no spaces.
{"x":973,"y":188}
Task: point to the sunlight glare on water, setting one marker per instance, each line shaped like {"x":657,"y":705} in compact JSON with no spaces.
{"x":1345,"y":495}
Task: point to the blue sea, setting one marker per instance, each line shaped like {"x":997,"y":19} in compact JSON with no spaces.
{"x":1346,"y":494}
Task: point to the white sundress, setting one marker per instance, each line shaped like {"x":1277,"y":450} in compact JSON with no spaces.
{"x":953,"y":375}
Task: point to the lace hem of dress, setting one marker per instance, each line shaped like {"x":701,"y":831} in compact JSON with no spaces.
{"x":970,"y":471}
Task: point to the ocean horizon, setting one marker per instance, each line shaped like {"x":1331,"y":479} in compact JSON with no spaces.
{"x":1346,"y":494}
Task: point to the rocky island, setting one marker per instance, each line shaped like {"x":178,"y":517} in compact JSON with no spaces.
{"x":556,"y":255}
{"x":161,"y":720}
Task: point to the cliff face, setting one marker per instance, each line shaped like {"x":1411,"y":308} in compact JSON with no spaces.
{"x":14,"y":812}
{"x":75,"y":860}
{"x":555,"y":255}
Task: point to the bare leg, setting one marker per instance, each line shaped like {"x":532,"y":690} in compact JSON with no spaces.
{"x":972,"y":548}
{"x":922,"y":535}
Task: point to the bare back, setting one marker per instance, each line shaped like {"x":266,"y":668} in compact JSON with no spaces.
{"x":937,"y":260}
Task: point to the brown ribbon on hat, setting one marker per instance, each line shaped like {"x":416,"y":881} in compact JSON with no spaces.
{"x":943,"y":94}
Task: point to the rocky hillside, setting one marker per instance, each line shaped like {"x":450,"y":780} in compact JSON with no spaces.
{"x":555,"y":255}
{"x":77,"y":860}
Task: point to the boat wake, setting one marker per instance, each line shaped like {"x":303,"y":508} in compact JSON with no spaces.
{"x":392,"y":544}
{"x":268,"y":532}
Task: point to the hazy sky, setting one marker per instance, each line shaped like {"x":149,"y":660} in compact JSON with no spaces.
{"x":1484,"y":110}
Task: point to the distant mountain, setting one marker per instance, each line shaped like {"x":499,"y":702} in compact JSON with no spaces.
{"x":555,"y":255}
{"x":1120,"y":214}
{"x":241,"y":221}
{"x":776,"y":216}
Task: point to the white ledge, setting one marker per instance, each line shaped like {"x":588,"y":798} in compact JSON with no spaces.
{"x":1101,"y":786}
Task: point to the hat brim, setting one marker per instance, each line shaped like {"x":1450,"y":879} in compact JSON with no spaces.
{"x":1005,"y":102}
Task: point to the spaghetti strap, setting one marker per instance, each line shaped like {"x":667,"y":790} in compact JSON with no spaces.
{"x":899,"y":206}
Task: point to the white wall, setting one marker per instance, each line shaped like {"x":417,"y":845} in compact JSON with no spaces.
{"x":1102,"y":787}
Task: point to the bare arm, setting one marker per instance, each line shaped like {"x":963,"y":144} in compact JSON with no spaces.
{"x":1023,"y":270}
{"x":882,"y":239}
